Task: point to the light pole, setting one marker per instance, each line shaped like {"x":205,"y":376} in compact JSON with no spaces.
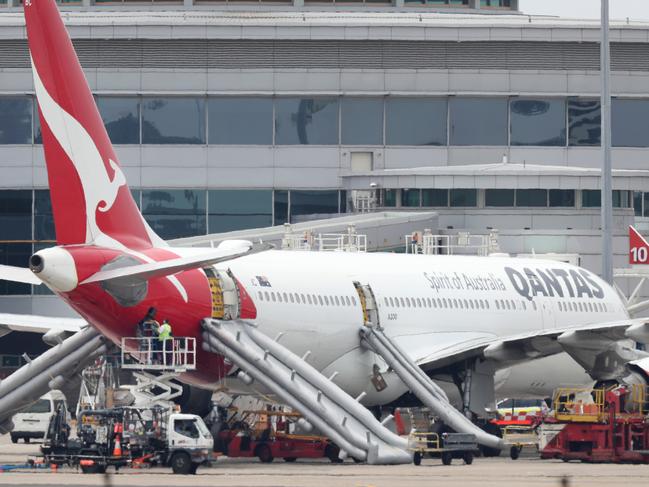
{"x":606,"y":177}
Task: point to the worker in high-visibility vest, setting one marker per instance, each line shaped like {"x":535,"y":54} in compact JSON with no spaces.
{"x":165,"y":340}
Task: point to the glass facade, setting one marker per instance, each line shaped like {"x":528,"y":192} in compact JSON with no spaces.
{"x":16,"y":120}
{"x":313,"y":203}
{"x":416,"y":121}
{"x":121,"y":117}
{"x":499,"y":197}
{"x":540,"y":122}
{"x":630,"y":123}
{"x":532,"y":197}
{"x":478,"y":121}
{"x":175,"y":213}
{"x":173,"y":120}
{"x":231,"y":210}
{"x":350,"y":120}
{"x":584,"y":122}
{"x":238,"y":120}
{"x":362,"y":121}
{"x":306,"y":121}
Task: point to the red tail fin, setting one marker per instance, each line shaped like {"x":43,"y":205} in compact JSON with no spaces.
{"x":638,"y":248}
{"x":90,"y":198}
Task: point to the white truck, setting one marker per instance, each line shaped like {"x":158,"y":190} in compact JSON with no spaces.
{"x":122,"y":437}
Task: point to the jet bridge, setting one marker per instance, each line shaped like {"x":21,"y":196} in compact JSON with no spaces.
{"x":429,"y":393}
{"x":322,"y":403}
{"x":49,"y":371}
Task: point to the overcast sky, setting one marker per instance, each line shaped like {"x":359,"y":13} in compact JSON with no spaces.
{"x":620,"y":9}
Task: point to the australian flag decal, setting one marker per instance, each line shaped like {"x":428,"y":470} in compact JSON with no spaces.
{"x":263,"y":281}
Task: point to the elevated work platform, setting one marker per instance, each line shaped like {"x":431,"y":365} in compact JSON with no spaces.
{"x":322,"y":403}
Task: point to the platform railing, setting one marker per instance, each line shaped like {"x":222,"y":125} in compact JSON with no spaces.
{"x":150,"y":353}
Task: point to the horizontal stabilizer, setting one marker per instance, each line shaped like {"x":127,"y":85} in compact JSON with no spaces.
{"x":39,"y":324}
{"x":142,"y":272}
{"x":18,"y":274}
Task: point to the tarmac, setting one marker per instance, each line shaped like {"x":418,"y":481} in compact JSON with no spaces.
{"x":529,"y":470}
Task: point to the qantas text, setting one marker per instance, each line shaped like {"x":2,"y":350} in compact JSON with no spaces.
{"x":554,"y":282}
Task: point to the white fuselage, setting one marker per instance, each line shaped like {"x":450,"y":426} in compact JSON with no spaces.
{"x":429,"y":304}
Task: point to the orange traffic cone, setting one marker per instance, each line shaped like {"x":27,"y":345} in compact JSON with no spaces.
{"x":117,"y":451}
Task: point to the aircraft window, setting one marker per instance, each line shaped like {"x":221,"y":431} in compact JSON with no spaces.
{"x":486,"y":303}
{"x":524,"y":305}
{"x":326,"y":300}
{"x":320,"y":300}
{"x":582,"y":307}
{"x":443,"y":301}
{"x":430,"y":302}
{"x":466,"y":304}
{"x":337,"y":301}
{"x":497,"y":304}
{"x":396,"y":302}
{"x":353,"y":300}
{"x":267,"y":296}
{"x":261,"y":295}
{"x":308,"y":297}
{"x":347,"y":301}
{"x":285,"y":298}
{"x":455,"y":305}
{"x":403,"y":302}
{"x":418,"y":302}
{"x":408,"y":302}
{"x":474,"y":304}
{"x":560,"y":306}
{"x":534,"y":305}
{"x":272,"y":296}
{"x":387,"y":303}
{"x":291,"y":297}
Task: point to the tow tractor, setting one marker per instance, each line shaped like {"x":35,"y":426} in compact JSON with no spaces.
{"x":598,"y":425}
{"x":129,"y":437}
{"x":266,"y":435}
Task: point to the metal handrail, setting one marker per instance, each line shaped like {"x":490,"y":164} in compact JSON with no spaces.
{"x":151,"y":353}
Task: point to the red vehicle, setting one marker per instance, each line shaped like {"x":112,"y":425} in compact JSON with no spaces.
{"x":613,"y":428}
{"x":269,"y":439}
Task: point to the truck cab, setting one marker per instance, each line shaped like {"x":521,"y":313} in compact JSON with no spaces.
{"x":189,"y":443}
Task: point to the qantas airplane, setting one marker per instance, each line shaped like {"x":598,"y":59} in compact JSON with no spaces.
{"x":524,"y":326}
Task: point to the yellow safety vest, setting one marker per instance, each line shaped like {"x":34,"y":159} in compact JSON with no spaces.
{"x":165,"y":332}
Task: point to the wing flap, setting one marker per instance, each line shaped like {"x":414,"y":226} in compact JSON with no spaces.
{"x":39,"y":324}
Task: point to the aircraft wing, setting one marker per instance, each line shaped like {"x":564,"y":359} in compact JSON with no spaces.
{"x":38,"y":324}
{"x":18,"y":274}
{"x":587,"y":344}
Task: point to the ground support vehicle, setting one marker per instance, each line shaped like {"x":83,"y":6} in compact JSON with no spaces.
{"x":266,"y":435}
{"x":612,"y":426}
{"x":446,"y":446}
{"x":519,"y":429}
{"x":125,"y":437}
{"x":33,"y":422}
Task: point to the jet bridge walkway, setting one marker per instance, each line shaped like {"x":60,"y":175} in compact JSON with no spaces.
{"x":429,"y":393}
{"x":321,"y":402}
{"x":50,"y":370}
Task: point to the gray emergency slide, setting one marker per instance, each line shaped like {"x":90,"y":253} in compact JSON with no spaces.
{"x":49,"y":371}
{"x":321,"y":402}
{"x":423,"y":386}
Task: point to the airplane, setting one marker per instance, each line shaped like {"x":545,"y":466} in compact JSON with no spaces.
{"x":473,"y":324}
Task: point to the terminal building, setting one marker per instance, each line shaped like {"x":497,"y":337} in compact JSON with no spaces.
{"x":236,"y":115}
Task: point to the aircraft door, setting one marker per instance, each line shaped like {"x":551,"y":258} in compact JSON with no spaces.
{"x":225,"y":294}
{"x":368,"y":303}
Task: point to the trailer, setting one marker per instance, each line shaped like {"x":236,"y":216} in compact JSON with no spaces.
{"x":446,"y":446}
{"x":129,"y":437}
{"x":598,"y":425}
{"x":266,"y":435}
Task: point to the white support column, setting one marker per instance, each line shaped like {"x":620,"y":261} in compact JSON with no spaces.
{"x":298,"y":3}
{"x":189,"y":3}
{"x":606,"y":177}
{"x":474,"y":4}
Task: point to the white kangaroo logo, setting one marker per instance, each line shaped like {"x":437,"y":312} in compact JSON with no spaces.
{"x":100,"y":192}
